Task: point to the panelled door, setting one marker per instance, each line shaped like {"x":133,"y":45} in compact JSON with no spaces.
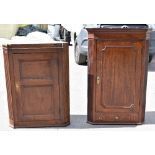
{"x":117,"y":80}
{"x":37,"y":78}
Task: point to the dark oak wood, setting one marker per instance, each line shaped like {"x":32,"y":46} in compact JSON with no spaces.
{"x":117,"y":75}
{"x":37,"y":79}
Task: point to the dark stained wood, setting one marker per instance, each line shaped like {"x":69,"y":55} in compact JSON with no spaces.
{"x":117,"y":75}
{"x":37,"y":79}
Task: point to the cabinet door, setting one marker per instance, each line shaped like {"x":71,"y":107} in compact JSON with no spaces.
{"x":37,"y":78}
{"x":118,"y":80}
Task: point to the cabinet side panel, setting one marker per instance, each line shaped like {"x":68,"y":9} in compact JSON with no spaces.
{"x":91,"y":78}
{"x":8,"y":84}
{"x":65,"y":79}
{"x":144,"y":79}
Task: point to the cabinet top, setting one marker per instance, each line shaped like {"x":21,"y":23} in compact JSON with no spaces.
{"x":115,"y":29}
{"x":118,"y":33}
{"x":120,"y":26}
{"x":34,"y":45}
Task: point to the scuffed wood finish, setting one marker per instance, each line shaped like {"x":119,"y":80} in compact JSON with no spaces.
{"x":37,"y":79}
{"x":117,"y":75}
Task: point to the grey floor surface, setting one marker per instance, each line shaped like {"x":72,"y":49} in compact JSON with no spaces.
{"x":78,"y":101}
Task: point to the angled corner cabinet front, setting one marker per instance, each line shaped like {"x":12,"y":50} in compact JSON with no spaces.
{"x":37,"y":79}
{"x":117,"y":75}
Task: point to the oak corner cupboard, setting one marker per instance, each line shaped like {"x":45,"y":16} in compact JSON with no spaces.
{"x":117,"y":74}
{"x":37,"y":79}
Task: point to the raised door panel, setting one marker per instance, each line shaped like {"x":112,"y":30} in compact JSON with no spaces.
{"x":117,"y":81}
{"x":37,"y":86}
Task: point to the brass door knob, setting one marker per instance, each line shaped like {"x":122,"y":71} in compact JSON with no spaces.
{"x":98,"y":80}
{"x":17,"y":86}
